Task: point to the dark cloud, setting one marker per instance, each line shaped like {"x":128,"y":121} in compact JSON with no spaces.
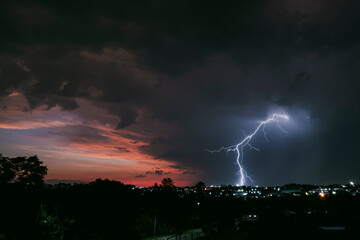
{"x":203,"y":69}
{"x":127,"y":117}
{"x":66,"y":104}
{"x":296,"y":88}
{"x":81,"y":134}
{"x":122,"y":149}
{"x":158,"y":140}
{"x":32,"y":16}
{"x":157,"y":171}
{"x":177,"y":167}
{"x":300,"y":80}
{"x":140,"y":176}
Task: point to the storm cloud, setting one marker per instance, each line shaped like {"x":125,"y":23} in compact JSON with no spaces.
{"x":192,"y":74}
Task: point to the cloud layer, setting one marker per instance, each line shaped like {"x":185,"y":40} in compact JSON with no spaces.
{"x":135,"y":86}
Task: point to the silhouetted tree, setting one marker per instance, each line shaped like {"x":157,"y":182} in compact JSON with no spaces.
{"x":25,"y":170}
{"x":167,"y":183}
{"x":7,"y":172}
{"x":30,"y":171}
{"x":200,"y":186}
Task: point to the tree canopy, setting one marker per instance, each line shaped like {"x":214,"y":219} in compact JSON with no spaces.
{"x":24,"y":170}
{"x":167,"y":183}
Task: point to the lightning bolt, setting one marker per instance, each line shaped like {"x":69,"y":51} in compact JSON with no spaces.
{"x":239,"y":148}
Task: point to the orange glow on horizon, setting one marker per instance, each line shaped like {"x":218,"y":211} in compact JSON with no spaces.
{"x":82,"y":146}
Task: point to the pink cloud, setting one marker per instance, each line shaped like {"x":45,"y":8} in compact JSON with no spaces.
{"x":84,"y":145}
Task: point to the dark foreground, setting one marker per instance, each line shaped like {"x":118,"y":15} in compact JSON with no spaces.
{"x":111,"y":210}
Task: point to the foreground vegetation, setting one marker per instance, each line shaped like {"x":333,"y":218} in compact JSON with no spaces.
{"x":106,"y":209}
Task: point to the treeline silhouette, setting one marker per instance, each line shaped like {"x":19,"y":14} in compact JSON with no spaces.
{"x":105,"y":209}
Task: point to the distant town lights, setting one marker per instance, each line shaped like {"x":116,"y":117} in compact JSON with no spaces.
{"x":352,"y":184}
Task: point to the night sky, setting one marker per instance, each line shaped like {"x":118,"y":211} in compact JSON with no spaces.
{"x":136,"y":90}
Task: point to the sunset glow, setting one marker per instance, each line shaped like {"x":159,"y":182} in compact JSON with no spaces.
{"x":80,"y":145}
